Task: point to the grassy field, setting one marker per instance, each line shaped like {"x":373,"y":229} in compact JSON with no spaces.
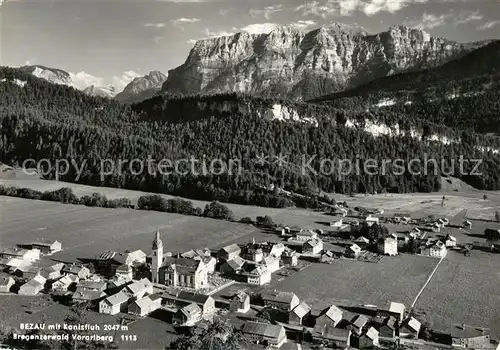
{"x":397,"y":279}
{"x":464,"y":290}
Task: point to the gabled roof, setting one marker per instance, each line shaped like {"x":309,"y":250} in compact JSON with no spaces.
{"x":301,"y":310}
{"x":45,"y":242}
{"x":117,"y":299}
{"x":235,"y":263}
{"x":99,"y":285}
{"x":88,"y":295}
{"x":6,"y":280}
{"x":136,"y":287}
{"x":362,"y":239}
{"x":193,"y":297}
{"x":280,"y":297}
{"x":333,"y":313}
{"x":190,"y":309}
{"x":355,"y":248}
{"x":465,"y":331}
{"x":336,"y":334}
{"x":359,"y":321}
{"x":390,"y":322}
{"x":143,"y":302}
{"x":262,"y":329}
{"x":372,"y":333}
{"x":258,"y":271}
{"x":398,"y":308}
{"x":411,"y":324}
{"x":241,"y":296}
{"x":232,"y":248}
{"x":136,"y":255}
{"x":313,"y":242}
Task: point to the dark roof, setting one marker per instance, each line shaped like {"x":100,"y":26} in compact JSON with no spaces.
{"x":281,"y":297}
{"x":337,"y":334}
{"x":190,"y":309}
{"x":465,"y":331}
{"x":359,"y":321}
{"x":262,"y":329}
{"x":390,"y":322}
{"x":193,"y":297}
{"x":231,"y":248}
{"x":182,"y":263}
{"x":302,"y":309}
{"x":333,"y":313}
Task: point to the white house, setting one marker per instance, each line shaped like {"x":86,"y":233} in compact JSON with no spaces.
{"x":433,"y":248}
{"x":6,"y":283}
{"x":371,"y":220}
{"x":271,"y":263}
{"x":47,"y":246}
{"x":114,"y":304}
{"x":450,"y":241}
{"x":259,"y":276}
{"x":33,"y":286}
{"x":388,"y":246}
{"x":145,"y":306}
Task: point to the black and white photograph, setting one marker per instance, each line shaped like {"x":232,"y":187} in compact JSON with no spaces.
{"x":250,"y":174}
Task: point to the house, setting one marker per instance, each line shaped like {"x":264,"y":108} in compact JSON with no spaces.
{"x":118,"y":282}
{"x":33,"y":286}
{"x":285,"y":301}
{"x":80,"y":271}
{"x":272,"y":335}
{"x":371,"y":220}
{"x":290,"y":258}
{"x":441,"y":222}
{"x":396,"y":310}
{"x":229,"y":252}
{"x":6,"y":283}
{"x":357,"y":323}
{"x":52,"y":272}
{"x":326,"y":257}
{"x":467,"y":224}
{"x":271,"y":263}
{"x":252,"y":252}
{"x":114,"y":304}
{"x":240,"y":302}
{"x":388,"y":328}
{"x":450,"y":241}
{"x":62,"y":284}
{"x":25,"y":271}
{"x":138,"y":289}
{"x":312,"y":246}
{"x":304,"y":235}
{"x":369,"y":339}
{"x":135,"y":257}
{"x":124,"y":271}
{"x":362,"y":242}
{"x":403,"y":239}
{"x":335,"y":338}
{"x":27,"y":255}
{"x":330,"y":316}
{"x":434,"y":248}
{"x":105,"y":263}
{"x":187,"y":316}
{"x":353,"y":251}
{"x":88,"y":285}
{"x":144,"y":306}
{"x":338,"y":224}
{"x":85,"y":296}
{"x":47,"y":246}
{"x":204,"y":255}
{"x":259,"y":275}
{"x":273,"y":249}
{"x":445,"y":221}
{"x":388,"y":246}
{"x":471,"y":337}
{"x":232,"y":266}
{"x":435,"y":227}
{"x":299,"y":314}
{"x":337,"y":211}
{"x":409,"y":328}
{"x":205,"y":302}
{"x":182,"y":272}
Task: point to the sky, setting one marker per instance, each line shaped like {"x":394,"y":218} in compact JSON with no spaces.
{"x":114,"y":41}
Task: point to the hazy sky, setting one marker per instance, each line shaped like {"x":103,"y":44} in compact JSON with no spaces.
{"x":118,"y":39}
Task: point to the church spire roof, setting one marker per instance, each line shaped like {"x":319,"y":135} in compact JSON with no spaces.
{"x":157,"y":241}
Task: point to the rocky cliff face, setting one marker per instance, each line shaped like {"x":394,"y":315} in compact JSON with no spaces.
{"x":142,"y":88}
{"x":52,"y":75}
{"x":288,"y":62}
{"x":100,"y":91}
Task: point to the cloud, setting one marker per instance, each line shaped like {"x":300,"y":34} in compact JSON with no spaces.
{"x":266,"y":11}
{"x":155,"y":25}
{"x":303,"y":24}
{"x":82,"y":80}
{"x":429,"y":21}
{"x":260,"y":28}
{"x":225,"y":12}
{"x":183,"y":20}
{"x":465,"y":17}
{"x":119,"y":82}
{"x":488,"y":25}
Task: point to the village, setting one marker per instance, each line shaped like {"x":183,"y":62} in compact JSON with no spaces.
{"x":235,"y":282}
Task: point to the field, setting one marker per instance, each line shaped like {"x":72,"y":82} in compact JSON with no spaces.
{"x":344,"y":282}
{"x":464,"y":290}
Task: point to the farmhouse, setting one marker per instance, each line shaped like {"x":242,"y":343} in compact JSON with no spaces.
{"x":252,"y":252}
{"x":330,"y":316}
{"x":33,"y":286}
{"x":388,"y":246}
{"x":182,"y":272}
{"x":187,"y":316}
{"x":52,"y":272}
{"x":89,"y":285}
{"x":273,"y":335}
{"x":396,"y":310}
{"x":47,"y":246}
{"x":205,"y":302}
{"x":144,"y":306}
{"x":138,"y":289}
{"x":388,"y":327}
{"x":434,"y":248}
{"x":304,"y":235}
{"x":353,"y":251}
{"x":114,"y":304}
{"x":357,"y":323}
{"x":362,"y":242}
{"x":124,"y":271}
{"x":466,"y":336}
{"x":337,"y":211}
{"x":289,"y":258}
{"x":240,"y":302}
{"x":327,"y":257}
{"x":232,"y":266}
{"x":80,"y":271}
{"x":84,"y":296}
{"x":62,"y":284}
{"x":25,"y":271}
{"x":409,"y":328}
{"x":312,"y":246}
{"x":272,"y":249}
{"x":369,"y":339}
{"x":27,"y":255}
{"x":450,"y":241}
{"x":6,"y":283}
{"x":435,"y":227}
{"x":259,"y":275}
{"x":299,"y":314}
{"x":106,"y":263}
{"x":371,"y":220}
{"x":229,"y":252}
{"x":338,"y":224}
{"x":335,"y":338}
{"x":271,"y":263}
{"x":285,"y":301}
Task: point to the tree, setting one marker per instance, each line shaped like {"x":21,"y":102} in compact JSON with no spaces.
{"x":216,"y":210}
{"x":265,"y":221}
{"x":485,"y":197}
{"x":218,"y":335}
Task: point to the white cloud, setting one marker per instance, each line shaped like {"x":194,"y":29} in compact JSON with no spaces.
{"x":180,"y":21}
{"x":260,"y":28}
{"x":303,"y":24}
{"x":120,"y":82}
{"x":155,"y":25}
{"x":266,"y":11}
{"x":488,"y":25}
{"x":465,"y":17}
{"x":429,"y":21}
{"x":82,"y":80}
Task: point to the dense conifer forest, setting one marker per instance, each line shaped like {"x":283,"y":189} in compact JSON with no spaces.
{"x":46,"y":121}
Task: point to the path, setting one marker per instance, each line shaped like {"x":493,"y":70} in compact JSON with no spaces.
{"x":428,"y":280}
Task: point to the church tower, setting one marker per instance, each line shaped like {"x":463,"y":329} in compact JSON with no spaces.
{"x":157,"y":258}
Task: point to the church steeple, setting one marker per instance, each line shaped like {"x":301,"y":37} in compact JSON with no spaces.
{"x":157,"y":241}
{"x":157,"y":258}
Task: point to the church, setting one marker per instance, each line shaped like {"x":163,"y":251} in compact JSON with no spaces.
{"x":177,"y":271}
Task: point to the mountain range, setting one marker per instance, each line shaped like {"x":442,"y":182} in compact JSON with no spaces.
{"x":292,"y":63}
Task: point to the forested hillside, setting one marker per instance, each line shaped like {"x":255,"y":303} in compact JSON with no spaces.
{"x":41,"y":120}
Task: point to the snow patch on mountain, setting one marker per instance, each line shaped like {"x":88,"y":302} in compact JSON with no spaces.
{"x":18,"y":82}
